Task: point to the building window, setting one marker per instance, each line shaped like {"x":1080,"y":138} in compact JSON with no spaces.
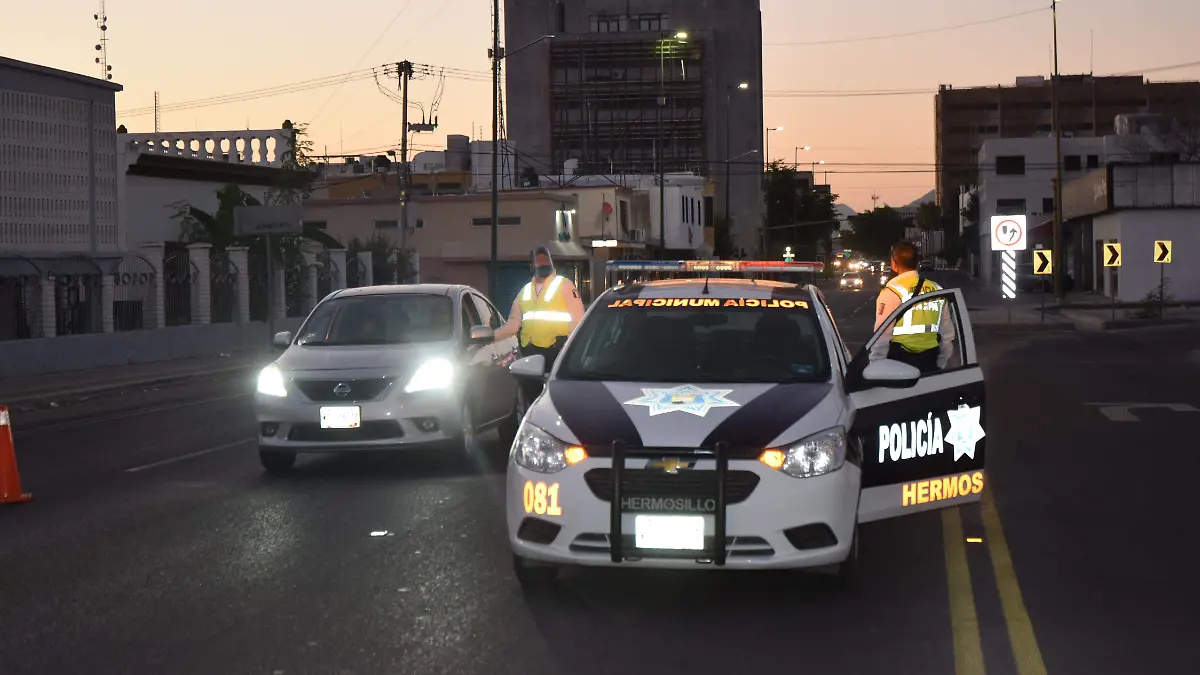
{"x":420,"y":224}
{"x":1048,"y":205}
{"x":1010,"y":207}
{"x":623,"y":215}
{"x":649,"y":22}
{"x":562,"y":16}
{"x":1093,"y":161}
{"x":316,"y":224}
{"x":486,"y":221}
{"x":387,"y":224}
{"x":1072,"y":163}
{"x":1010,"y":165}
{"x":606,"y":23}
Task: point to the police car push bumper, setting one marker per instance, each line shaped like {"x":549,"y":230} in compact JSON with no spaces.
{"x":568,"y":507}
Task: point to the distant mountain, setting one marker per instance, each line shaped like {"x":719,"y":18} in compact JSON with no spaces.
{"x":931,"y":196}
{"x":844,"y":211}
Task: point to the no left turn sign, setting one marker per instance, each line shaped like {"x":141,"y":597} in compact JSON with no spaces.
{"x":1008,"y":233}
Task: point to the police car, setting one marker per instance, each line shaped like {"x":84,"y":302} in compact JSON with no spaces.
{"x":724,"y":424}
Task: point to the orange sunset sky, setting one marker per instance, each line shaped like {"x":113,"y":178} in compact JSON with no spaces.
{"x":826,"y":65}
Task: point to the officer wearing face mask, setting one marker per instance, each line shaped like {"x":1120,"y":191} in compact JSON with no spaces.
{"x":545,"y":311}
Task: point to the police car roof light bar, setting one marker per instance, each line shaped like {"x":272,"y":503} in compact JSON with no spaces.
{"x":709,"y":266}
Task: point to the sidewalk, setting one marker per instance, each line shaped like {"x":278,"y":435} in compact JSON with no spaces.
{"x":33,"y":389}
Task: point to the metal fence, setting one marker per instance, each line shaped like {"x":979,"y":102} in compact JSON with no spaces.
{"x":134,"y":285}
{"x":296,"y":288}
{"x":20,"y":306}
{"x":356,"y":272}
{"x":181,"y":279}
{"x":223,"y":288}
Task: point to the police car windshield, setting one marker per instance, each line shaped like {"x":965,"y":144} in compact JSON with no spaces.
{"x":401,"y":318}
{"x":722,"y":341}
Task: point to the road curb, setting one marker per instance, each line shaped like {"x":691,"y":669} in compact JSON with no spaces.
{"x":1092,"y":323}
{"x":1022,"y":327}
{"x":66,"y":394}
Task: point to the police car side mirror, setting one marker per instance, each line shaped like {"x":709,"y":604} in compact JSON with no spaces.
{"x":282,"y":339}
{"x":482,"y":334}
{"x":530,"y":366}
{"x":889,"y":373}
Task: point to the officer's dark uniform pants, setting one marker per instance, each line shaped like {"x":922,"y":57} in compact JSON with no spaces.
{"x":925,"y":361}
{"x":531,"y":388}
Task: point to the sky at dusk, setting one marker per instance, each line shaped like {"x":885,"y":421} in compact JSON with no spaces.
{"x":871,"y":143}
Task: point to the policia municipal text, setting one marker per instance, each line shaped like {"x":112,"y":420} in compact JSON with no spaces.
{"x":924,"y":336}
{"x":544,"y":314}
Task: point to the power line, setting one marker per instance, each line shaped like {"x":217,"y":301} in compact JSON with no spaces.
{"x":801,"y":93}
{"x":362,"y":58}
{"x":253,"y":94}
{"x":923,"y":31}
{"x":1157,"y":69}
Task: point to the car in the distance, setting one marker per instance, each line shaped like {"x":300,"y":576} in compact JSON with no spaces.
{"x":388,"y":368}
{"x":851,"y":281}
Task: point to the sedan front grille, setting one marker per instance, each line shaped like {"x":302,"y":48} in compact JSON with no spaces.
{"x":328,"y":391}
{"x":369,"y":431}
{"x":691,"y":483}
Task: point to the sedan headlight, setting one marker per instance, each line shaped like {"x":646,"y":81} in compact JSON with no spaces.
{"x":270,"y":382}
{"x":436,"y":373}
{"x":537,"y":450}
{"x":814,"y":456}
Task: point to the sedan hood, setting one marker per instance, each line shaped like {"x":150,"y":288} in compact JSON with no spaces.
{"x":367,"y":359}
{"x":642,"y":414}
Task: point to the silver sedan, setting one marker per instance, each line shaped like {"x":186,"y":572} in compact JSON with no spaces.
{"x":388,"y":368}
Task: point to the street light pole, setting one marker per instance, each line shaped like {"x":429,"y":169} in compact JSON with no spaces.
{"x":729,"y":148}
{"x":1056,"y":251}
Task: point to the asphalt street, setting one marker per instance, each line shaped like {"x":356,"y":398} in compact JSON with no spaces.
{"x":155,"y":544}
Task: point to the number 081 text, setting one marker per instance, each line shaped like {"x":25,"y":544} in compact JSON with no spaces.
{"x":541,"y":499}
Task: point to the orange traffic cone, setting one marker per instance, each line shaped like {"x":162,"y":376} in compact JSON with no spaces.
{"x":10,"y":478}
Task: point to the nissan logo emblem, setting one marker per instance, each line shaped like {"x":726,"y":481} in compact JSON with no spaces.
{"x":342,"y":389}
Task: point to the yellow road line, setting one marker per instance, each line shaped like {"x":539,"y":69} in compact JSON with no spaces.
{"x":1020,"y":629}
{"x":964,"y":623}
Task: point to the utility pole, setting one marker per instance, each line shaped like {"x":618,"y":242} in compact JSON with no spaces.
{"x":1056,"y":251}
{"x":493,"y":264}
{"x":157,"y":115}
{"x":662,"y":185}
{"x":405,"y":73}
{"x":874,"y":200}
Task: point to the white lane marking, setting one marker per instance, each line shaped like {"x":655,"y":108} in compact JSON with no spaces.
{"x":1121,"y":412}
{"x":126,"y":415}
{"x":192,"y":455}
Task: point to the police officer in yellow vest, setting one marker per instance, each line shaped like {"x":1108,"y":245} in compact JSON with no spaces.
{"x":924,"y":336}
{"x":545,"y":311}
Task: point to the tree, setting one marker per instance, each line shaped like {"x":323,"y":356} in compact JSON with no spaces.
{"x":295,"y":181}
{"x":217,"y":228}
{"x":383,"y":268}
{"x":929,"y":217}
{"x":874,"y":232}
{"x":970,"y":232}
{"x":798,"y":218}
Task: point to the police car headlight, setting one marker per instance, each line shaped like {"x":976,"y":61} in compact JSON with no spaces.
{"x":270,"y":382}
{"x":436,"y":373}
{"x":537,"y":450}
{"x":814,"y":456}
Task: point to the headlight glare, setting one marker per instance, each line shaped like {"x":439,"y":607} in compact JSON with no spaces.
{"x":270,"y":382}
{"x":537,"y":450}
{"x":436,"y":373}
{"x":816,"y":455}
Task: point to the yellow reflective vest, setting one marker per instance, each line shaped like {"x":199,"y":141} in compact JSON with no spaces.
{"x":545,"y":317}
{"x":917,"y":330}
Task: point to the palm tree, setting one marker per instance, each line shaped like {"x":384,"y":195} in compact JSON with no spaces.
{"x":217,"y":228}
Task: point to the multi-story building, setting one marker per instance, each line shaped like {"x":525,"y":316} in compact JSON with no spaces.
{"x":1088,"y":107}
{"x":639,"y":87}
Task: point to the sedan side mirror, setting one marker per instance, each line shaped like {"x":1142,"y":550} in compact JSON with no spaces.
{"x":529,"y":367}
{"x":282,"y":340}
{"x":891,"y":374}
{"x":482,"y":334}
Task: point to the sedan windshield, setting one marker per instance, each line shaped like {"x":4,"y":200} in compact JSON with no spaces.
{"x":780,"y":342}
{"x":380,"y":320}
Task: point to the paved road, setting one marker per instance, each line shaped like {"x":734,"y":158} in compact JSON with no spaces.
{"x":156,"y":544}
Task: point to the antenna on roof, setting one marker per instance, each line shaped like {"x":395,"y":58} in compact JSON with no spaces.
{"x":102,"y":46}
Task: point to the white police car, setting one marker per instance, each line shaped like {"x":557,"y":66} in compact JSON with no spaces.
{"x":722,"y":423}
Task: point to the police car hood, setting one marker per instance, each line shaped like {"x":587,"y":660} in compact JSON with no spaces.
{"x":644,"y":414}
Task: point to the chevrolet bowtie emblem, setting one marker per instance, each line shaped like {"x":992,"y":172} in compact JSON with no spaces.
{"x":670,"y":465}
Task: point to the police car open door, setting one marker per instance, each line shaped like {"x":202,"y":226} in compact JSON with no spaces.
{"x":923,"y":439}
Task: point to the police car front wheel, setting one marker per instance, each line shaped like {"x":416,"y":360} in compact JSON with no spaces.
{"x":533,"y":575}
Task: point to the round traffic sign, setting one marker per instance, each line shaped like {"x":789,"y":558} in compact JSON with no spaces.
{"x":1009,"y":232}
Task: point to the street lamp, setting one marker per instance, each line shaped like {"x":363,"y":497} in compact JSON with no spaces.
{"x":680,"y":36}
{"x":729,"y":89}
{"x":796,"y":161}
{"x":496,"y":53}
{"x":814,"y":170}
{"x":767,"y":148}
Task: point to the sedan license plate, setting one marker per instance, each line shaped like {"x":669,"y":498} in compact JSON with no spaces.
{"x":341,"y":417}
{"x":676,"y":533}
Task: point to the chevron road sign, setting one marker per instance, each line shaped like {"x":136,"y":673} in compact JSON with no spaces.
{"x":1112,"y":254}
{"x":1043,"y":261}
{"x":1162,"y":252}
